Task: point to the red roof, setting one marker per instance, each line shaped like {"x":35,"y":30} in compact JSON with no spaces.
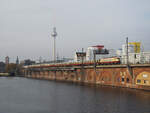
{"x":99,"y":46}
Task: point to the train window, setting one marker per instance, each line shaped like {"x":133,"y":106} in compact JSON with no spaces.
{"x":138,"y":81}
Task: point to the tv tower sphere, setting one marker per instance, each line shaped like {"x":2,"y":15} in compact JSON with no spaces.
{"x":54,"y":34}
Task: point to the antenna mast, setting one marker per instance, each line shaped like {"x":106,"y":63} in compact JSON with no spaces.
{"x":127,"y":50}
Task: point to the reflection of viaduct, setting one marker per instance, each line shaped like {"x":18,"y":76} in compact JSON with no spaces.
{"x":135,"y":76}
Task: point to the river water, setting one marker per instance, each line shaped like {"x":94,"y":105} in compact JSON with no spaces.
{"x":22,"y":95}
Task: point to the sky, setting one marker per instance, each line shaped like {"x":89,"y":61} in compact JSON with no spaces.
{"x":26,"y":25}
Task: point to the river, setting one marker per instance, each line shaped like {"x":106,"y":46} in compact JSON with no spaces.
{"x":22,"y":95}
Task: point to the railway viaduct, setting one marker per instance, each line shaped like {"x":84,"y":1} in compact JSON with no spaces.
{"x":133,"y":76}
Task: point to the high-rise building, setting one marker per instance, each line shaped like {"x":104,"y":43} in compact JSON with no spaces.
{"x":7,"y":60}
{"x":2,"y":67}
{"x":17,"y":60}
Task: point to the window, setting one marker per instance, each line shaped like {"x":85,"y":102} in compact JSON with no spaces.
{"x":138,"y":81}
{"x":146,"y":82}
{"x":122,"y":79}
{"x":127,"y":80}
{"x":145,"y":76}
{"x":135,"y":56}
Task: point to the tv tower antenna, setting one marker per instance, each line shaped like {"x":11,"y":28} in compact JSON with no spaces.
{"x":54,"y":34}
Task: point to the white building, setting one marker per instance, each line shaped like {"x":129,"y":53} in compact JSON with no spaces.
{"x":130,"y":49}
{"x":134,"y":57}
{"x":119,"y":52}
{"x":90,"y":53}
{"x":102,"y":54}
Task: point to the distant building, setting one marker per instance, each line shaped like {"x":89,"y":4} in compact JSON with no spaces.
{"x":90,"y":51}
{"x":135,"y":58}
{"x":2,"y":67}
{"x":7,"y":60}
{"x":62,"y":60}
{"x":67,"y":59}
{"x":135,"y":55}
{"x":119,"y":52}
{"x":79,"y":56}
{"x":17,"y":60}
{"x":100,"y":52}
{"x":28,"y":62}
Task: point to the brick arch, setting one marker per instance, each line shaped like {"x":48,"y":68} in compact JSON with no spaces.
{"x":58,"y":75}
{"x":79,"y":77}
{"x":37,"y":74}
{"x":49,"y":73}
{"x":46,"y":74}
{"x":41,"y":74}
{"x":72,"y":76}
{"x":117,"y":78}
{"x":105,"y":76}
{"x":143,"y":78}
{"x":65,"y":75}
{"x":90,"y":76}
{"x":98,"y":76}
{"x":87,"y":74}
{"x":138,"y":71}
{"x":105,"y":79}
{"x":100,"y":73}
{"x":123,"y":77}
{"x":52,"y":75}
{"x":128,"y":78}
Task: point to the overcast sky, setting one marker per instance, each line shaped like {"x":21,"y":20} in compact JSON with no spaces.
{"x":25,"y":26}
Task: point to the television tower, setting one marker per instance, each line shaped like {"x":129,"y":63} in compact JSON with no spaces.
{"x":54,"y":34}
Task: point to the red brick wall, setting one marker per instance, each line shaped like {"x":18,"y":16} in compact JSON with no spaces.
{"x":118,"y":76}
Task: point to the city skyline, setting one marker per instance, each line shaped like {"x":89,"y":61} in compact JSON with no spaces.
{"x":25,"y":26}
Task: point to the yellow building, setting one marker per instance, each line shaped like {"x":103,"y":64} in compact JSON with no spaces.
{"x":137,"y":46}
